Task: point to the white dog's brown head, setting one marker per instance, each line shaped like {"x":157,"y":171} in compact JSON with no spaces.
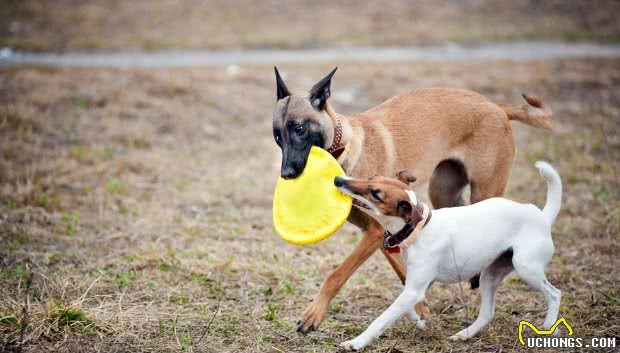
{"x":390,"y":201}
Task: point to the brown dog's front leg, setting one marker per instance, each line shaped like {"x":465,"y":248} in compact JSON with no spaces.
{"x":396,"y":260}
{"x":313,"y":315}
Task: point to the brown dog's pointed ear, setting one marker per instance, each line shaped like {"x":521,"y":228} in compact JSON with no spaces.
{"x":406,"y":177}
{"x":282,"y":90}
{"x":320,"y":92}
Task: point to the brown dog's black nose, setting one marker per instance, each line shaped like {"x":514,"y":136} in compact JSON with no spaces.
{"x":289,"y":173}
{"x":338,"y":181}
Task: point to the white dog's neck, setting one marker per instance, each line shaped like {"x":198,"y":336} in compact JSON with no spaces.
{"x":392,"y":224}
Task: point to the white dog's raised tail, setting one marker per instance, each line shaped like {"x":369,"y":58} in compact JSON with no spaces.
{"x":554,"y":191}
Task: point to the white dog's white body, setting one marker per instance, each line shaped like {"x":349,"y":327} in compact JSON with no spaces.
{"x":491,"y":237}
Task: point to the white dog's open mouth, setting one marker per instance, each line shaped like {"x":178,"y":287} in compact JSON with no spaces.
{"x":357,"y":200}
{"x":360,"y":204}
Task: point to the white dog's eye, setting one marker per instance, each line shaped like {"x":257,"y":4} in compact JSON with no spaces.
{"x":376,"y":194}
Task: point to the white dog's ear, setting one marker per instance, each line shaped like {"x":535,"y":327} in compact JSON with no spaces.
{"x":405,"y":208}
{"x":406,"y":177}
{"x":408,"y":212}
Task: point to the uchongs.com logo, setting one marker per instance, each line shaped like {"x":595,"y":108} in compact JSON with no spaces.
{"x":547,"y":339}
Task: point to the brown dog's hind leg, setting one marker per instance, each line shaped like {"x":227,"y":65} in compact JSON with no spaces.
{"x":485,"y":191}
{"x":314,"y":313}
{"x":447,"y":183}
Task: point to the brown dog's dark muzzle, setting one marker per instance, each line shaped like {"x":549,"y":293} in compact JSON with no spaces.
{"x":294,"y":162}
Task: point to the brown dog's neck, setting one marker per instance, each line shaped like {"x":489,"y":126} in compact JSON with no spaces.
{"x":337,"y":148}
{"x":348,"y":140}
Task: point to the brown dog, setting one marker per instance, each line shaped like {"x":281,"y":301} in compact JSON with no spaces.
{"x":448,"y":137}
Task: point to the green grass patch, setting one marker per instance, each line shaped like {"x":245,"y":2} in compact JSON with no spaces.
{"x":271,"y":312}
{"x":8,"y":320}
{"x":115,"y":187}
{"x":336,"y":307}
{"x":166,"y":266}
{"x":69,"y":223}
{"x":70,"y":317}
{"x":18,"y":274}
{"x":134,"y":142}
{"x":201,"y":278}
{"x":225,"y":326}
{"x":78,"y":152}
{"x":11,"y":203}
{"x":287,"y":288}
{"x":80,"y":102}
{"x":179,"y":299}
{"x":50,"y":201}
{"x":123,"y":278}
{"x":8,"y":317}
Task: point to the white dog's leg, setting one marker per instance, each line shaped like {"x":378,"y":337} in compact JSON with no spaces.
{"x":490,"y":279}
{"x":401,"y":306}
{"x":418,"y":321}
{"x":413,"y":316}
{"x":553,"y":297}
{"x":531,"y":269}
{"x":537,"y":280}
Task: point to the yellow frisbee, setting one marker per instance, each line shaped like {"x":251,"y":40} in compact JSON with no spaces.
{"x":309,"y":208}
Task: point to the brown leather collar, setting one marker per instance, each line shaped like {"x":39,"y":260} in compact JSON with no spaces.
{"x":335,"y":149}
{"x":391,"y":241}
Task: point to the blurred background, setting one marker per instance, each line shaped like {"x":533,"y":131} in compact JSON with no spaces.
{"x":172,"y":24}
{"x":137,"y":166}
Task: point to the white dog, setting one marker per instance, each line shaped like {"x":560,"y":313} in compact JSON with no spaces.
{"x":491,"y":238}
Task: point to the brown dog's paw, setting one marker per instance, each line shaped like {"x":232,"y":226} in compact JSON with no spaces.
{"x":312,"y":318}
{"x":422,"y":310}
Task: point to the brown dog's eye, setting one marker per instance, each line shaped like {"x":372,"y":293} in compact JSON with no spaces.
{"x":376,"y":194}
{"x":276,"y":136}
{"x":300,"y":129}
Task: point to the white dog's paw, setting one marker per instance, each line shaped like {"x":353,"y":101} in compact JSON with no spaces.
{"x":421,"y":325}
{"x":353,"y":345}
{"x":459,"y":336}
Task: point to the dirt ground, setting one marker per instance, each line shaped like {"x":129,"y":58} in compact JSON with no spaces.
{"x":135,"y":210}
{"x":59,"y":25}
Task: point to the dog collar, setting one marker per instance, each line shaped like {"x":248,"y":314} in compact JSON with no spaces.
{"x":335,"y":149}
{"x":392,"y":242}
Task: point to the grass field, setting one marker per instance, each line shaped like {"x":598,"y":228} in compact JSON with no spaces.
{"x":60,"y":25}
{"x":135,"y":210}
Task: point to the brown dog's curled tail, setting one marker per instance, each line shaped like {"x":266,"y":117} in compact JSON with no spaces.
{"x":533,"y":113}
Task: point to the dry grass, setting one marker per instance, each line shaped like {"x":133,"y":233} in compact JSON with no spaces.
{"x":148,"y":24}
{"x":135,"y":211}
